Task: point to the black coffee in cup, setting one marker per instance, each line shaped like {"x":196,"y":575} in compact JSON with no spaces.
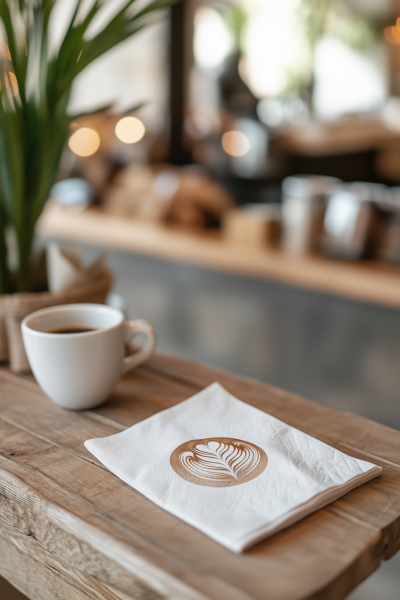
{"x":73,"y":329}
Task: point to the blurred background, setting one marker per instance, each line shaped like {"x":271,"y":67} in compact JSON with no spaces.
{"x":250,"y":206}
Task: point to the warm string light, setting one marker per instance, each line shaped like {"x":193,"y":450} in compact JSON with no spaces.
{"x":392,"y":33}
{"x":84,"y":141}
{"x":235,"y":143}
{"x":130,"y":130}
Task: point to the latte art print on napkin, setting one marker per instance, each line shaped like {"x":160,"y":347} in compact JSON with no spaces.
{"x":218,"y":462}
{"x":232,"y":471}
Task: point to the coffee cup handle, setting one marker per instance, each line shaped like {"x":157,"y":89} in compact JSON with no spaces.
{"x":133,"y":328}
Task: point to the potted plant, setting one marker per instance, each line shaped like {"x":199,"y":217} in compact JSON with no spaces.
{"x":35,"y":89}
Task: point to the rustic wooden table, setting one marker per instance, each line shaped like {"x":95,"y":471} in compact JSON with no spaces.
{"x":69,"y":529}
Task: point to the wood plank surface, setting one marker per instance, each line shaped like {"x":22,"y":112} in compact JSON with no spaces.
{"x":41,"y":575}
{"x":369,"y":282}
{"x":58,"y":503}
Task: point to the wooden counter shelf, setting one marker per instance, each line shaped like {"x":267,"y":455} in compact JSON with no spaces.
{"x":345,"y":136}
{"x":71,"y":530}
{"x":368,"y":282}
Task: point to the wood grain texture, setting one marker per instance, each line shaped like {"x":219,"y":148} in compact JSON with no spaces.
{"x":368,"y":282}
{"x":56,"y":496}
{"x":41,"y":575}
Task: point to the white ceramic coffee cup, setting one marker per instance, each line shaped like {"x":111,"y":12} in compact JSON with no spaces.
{"x":79,"y":370}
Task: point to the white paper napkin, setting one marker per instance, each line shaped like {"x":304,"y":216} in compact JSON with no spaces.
{"x":231,"y":470}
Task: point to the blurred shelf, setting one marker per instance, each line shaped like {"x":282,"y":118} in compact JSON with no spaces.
{"x":342,"y":137}
{"x":368,"y":282}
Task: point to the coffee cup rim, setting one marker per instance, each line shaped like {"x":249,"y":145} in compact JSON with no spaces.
{"x":71,"y":307}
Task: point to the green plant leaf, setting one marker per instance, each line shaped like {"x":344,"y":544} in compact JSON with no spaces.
{"x":134,"y":107}
{"x":89,"y":113}
{"x":34,"y":124}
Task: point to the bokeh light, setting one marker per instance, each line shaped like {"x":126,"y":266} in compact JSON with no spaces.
{"x":84,"y":142}
{"x":235,"y":143}
{"x":130,"y":130}
{"x":392,"y":34}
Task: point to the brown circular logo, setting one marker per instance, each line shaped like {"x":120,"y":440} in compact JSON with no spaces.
{"x":218,"y":462}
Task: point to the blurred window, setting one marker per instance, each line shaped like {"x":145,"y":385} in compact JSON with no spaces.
{"x":275,"y":48}
{"x":348,"y":81}
{"x":212,"y":40}
{"x":295,"y":54}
